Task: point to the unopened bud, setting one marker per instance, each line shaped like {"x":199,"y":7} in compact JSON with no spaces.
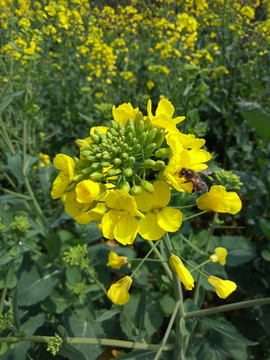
{"x":136,"y":149}
{"x":140,"y":127}
{"x":148,"y":163}
{"x":147,"y":186}
{"x":96,"y":139}
{"x":159,"y":139}
{"x":82,"y":163}
{"x":96,"y":166}
{"x":128,"y":172}
{"x":86,"y":153}
{"x":135,"y":190}
{"x":151,"y":135}
{"x":111,"y":172}
{"x":150,"y":148}
{"x":124,"y":155}
{"x":142,"y":138}
{"x":159,"y":164}
{"x":130,"y":161}
{"x":125,"y":186}
{"x":162,"y":152}
{"x":87,"y":171}
{"x":113,"y":125}
{"x":117,"y":161}
{"x":95,"y":176}
{"x":105,"y":164}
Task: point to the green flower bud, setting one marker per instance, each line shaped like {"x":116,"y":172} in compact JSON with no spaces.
{"x":135,"y":190}
{"x":121,"y":133}
{"x":128,"y":172}
{"x":98,"y":156}
{"x":96,"y":166}
{"x":105,"y":164}
{"x":125,"y":186}
{"x":85,"y":148}
{"x":87,"y":171}
{"x":113,"y":131}
{"x":91,"y":159}
{"x":96,"y":176}
{"x":96,"y":139}
{"x":129,"y":123}
{"x":109,"y":135}
{"x":130,"y":130}
{"x":130,"y":161}
{"x":140,"y":127}
{"x":148,"y":164}
{"x":124,"y":147}
{"x":86,"y":153}
{"x":82,"y":163}
{"x":112,"y":172}
{"x":159,"y":164}
{"x":100,"y":134}
{"x":162,"y":152}
{"x":147,"y":186}
{"x":113,"y":125}
{"x":124,"y":155}
{"x":142,"y":138}
{"x":159,"y":139}
{"x":129,"y":138}
{"x":117,"y":161}
{"x":150,"y":148}
{"x":109,"y":141}
{"x":136,"y":149}
{"x":121,"y":126}
{"x":106,"y":156}
{"x":151,"y":135}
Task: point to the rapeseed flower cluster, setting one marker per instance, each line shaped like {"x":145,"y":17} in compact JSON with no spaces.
{"x":124,"y":176}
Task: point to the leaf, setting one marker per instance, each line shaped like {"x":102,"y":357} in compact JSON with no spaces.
{"x":108,"y":314}
{"x":138,"y":355}
{"x":226,"y":330}
{"x":140,"y":313}
{"x":36,"y":284}
{"x":8,"y":99}
{"x":265,"y":227}
{"x":71,"y":352}
{"x":183,"y":329}
{"x":15,"y":166}
{"x":256,"y":117}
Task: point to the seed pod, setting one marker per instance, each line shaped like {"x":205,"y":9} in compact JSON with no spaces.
{"x":135,"y":190}
{"x":147,"y":186}
{"x":151,"y":135}
{"x":128,"y":172}
{"x":148,"y":163}
{"x":162,"y":152}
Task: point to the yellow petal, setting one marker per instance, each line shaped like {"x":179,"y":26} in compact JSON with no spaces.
{"x":219,"y":255}
{"x":223,"y":287}
{"x":159,"y":198}
{"x":149,"y":228}
{"x":87,"y":191}
{"x":219,"y":200}
{"x":118,"y":292}
{"x":121,"y":200}
{"x":126,"y":229}
{"x":108,"y":223}
{"x":170,"y":219}
{"x":94,"y":215}
{"x":182,"y":272}
{"x":72,"y":206}
{"x":65,"y":163}
{"x":124,"y":112}
{"x":59,"y":185}
{"x":115,"y":261}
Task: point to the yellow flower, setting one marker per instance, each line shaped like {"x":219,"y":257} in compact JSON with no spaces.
{"x":65,"y":163}
{"x":115,"y":261}
{"x":93,"y":215}
{"x":88,"y":191}
{"x":119,"y":222}
{"x":59,"y":185}
{"x":158,"y":218}
{"x":118,"y":292}
{"x":124,"y":112}
{"x":181,"y":271}
{"x":163,"y":117}
{"x":219,"y":255}
{"x":220,"y":200}
{"x":193,"y":159}
{"x":223,"y":287}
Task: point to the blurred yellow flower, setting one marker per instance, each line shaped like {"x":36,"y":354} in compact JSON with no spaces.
{"x":115,"y":261}
{"x":219,"y":255}
{"x":220,"y":200}
{"x":182,"y":272}
{"x":124,"y":112}
{"x":223,"y":287}
{"x":118,"y":292}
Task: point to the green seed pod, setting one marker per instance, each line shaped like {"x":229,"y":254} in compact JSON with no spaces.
{"x":148,"y":163}
{"x":128,"y":172}
{"x":147,"y":186}
{"x":159,"y":164}
{"x":162,"y":152}
{"x":135,"y":190}
{"x":140,"y":127}
{"x":86,"y":153}
{"x":159,"y":139}
{"x":117,"y":161}
{"x":96,"y":139}
{"x":125,"y":186}
{"x":151,"y":135}
{"x":150,"y":148}
{"x":96,"y":176}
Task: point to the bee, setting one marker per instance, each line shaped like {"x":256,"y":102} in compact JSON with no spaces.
{"x":193,"y":177}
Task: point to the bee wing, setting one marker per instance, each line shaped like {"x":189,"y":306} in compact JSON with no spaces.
{"x":206,"y":172}
{"x":204,"y":187}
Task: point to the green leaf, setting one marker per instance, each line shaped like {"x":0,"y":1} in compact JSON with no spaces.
{"x":265,"y":227}
{"x":71,"y":352}
{"x":138,"y":355}
{"x":257,"y":118}
{"x":36,"y":284}
{"x":108,"y":314}
{"x":183,"y":329}
{"x":15,"y":166}
{"x":8,"y":99}
{"x":140,"y":313}
{"x":226,"y":330}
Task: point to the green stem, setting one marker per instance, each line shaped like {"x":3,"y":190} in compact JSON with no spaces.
{"x":93,"y":276}
{"x":143,"y":260}
{"x":90,"y":341}
{"x":34,"y":200}
{"x":195,"y":215}
{"x":164,"y":264}
{"x":167,"y":333}
{"x":228,"y":307}
{"x":15,"y":194}
{"x":4,"y":292}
